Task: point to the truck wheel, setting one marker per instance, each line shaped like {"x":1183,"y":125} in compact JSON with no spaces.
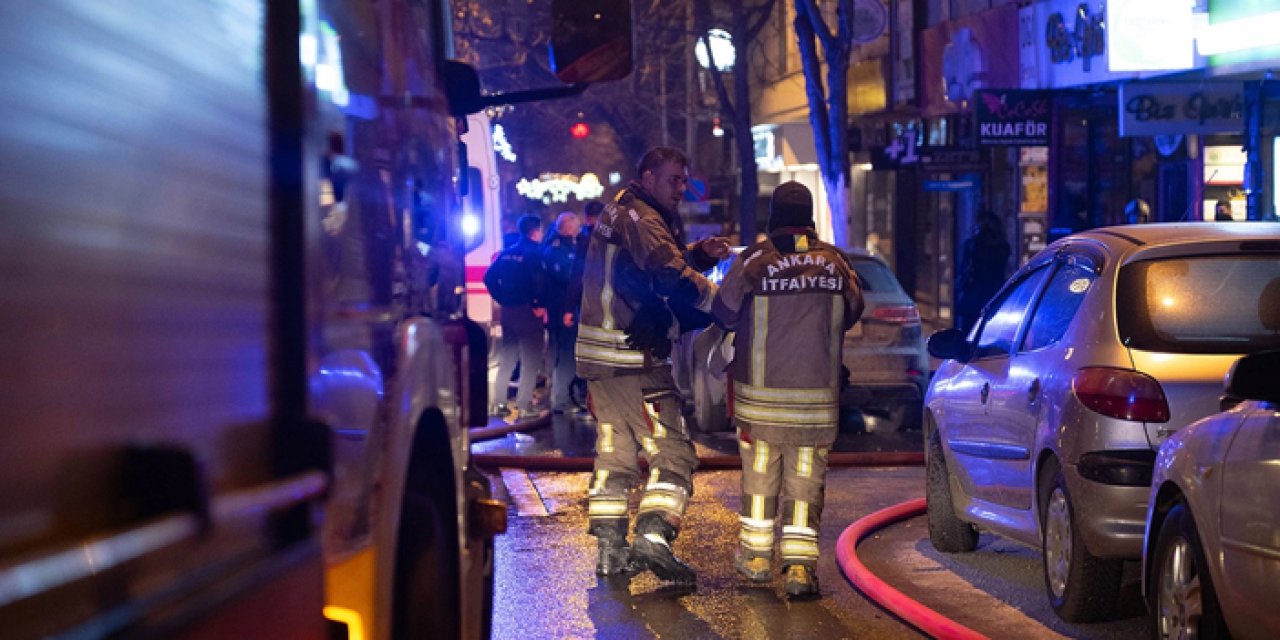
{"x":947,"y":532}
{"x":1082,"y":587}
{"x":710,"y":416}
{"x":426,"y":602}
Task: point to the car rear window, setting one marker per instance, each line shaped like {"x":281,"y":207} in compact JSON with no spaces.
{"x":874,"y":276}
{"x":1201,"y":304}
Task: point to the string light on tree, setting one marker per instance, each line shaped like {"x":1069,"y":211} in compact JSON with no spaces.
{"x":557,"y":187}
{"x":501,"y":145}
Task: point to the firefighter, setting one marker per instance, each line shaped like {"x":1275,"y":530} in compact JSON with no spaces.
{"x":789,"y":298}
{"x":637,"y":271}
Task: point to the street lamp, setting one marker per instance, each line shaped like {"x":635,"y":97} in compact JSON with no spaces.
{"x":721,"y":48}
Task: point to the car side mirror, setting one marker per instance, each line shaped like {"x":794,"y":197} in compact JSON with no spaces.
{"x":1254,"y":377}
{"x":950,"y":344}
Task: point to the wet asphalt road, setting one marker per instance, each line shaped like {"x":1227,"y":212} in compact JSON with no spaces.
{"x":546,"y":586}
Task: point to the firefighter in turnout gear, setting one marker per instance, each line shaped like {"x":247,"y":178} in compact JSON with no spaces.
{"x":637,"y":271}
{"x":789,"y":298}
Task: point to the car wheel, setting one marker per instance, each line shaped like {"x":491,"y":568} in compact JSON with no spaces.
{"x":906,"y":416}
{"x":710,"y":415}
{"x":1081,"y":586}
{"x":947,"y":532}
{"x":1184,"y":602}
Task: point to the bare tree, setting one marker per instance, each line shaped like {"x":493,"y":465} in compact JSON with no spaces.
{"x":829,"y":101}
{"x":746,"y":22}
{"x":629,"y":115}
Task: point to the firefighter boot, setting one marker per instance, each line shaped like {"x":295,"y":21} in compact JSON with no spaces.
{"x":653,"y":547}
{"x":614,"y":557}
{"x":801,"y":582}
{"x":755,"y":568}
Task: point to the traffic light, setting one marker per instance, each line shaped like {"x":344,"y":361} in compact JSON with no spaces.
{"x":580,"y":130}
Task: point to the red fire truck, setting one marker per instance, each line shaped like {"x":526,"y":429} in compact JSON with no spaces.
{"x":237,"y":365}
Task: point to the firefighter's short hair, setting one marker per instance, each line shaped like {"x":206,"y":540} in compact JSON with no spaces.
{"x":658,"y":156}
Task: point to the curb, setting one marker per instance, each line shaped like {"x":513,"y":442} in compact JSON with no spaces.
{"x":921,"y":617}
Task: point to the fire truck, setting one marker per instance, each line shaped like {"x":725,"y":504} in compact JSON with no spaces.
{"x":238,"y":367}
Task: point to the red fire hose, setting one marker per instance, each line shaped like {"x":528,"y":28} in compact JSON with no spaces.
{"x":920,"y":616}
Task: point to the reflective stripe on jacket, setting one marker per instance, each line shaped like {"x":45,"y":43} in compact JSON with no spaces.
{"x":790,"y":311}
{"x":630,"y":244}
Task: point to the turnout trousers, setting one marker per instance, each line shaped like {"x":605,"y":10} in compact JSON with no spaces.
{"x":639,"y":414}
{"x":789,"y":474}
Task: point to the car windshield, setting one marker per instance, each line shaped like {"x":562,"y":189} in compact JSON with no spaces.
{"x":874,"y":276}
{"x":1202,"y":304}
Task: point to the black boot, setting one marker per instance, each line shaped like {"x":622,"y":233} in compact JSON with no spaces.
{"x":653,"y":547}
{"x":615,"y":557}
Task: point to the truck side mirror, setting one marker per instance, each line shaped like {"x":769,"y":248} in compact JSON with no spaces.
{"x":591,"y":41}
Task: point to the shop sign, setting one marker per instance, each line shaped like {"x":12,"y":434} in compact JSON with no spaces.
{"x":1013,"y":117}
{"x":1150,"y":35}
{"x":1064,"y":43}
{"x":1152,"y":109}
{"x":903,"y":153}
{"x":1076,"y":35}
{"x":949,"y":185}
{"x":960,"y":56}
{"x":951,"y":160}
{"x":870,"y":20}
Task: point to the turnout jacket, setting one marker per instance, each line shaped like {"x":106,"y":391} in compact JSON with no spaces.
{"x":790,"y":298}
{"x":636,"y":267}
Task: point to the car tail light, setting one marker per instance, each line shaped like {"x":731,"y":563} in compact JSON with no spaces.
{"x":899,"y":314}
{"x":1121,"y":393}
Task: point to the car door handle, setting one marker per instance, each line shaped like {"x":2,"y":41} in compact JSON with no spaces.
{"x":986,"y":392}
{"x":1033,"y":391}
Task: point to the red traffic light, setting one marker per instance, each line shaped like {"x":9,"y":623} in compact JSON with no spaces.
{"x":580,"y":130}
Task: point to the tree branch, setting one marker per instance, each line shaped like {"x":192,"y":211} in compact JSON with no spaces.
{"x":757,"y":22}
{"x":813,"y":88}
{"x":817,"y":26}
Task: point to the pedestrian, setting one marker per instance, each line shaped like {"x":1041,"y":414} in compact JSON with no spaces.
{"x":559,"y":262}
{"x":636,"y":269}
{"x":982,"y":272}
{"x":790,"y":298}
{"x":515,"y":282}
{"x":1222,"y":211}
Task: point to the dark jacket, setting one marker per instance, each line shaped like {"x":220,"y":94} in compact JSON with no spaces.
{"x":636,"y":268}
{"x":515,"y":281}
{"x":790,"y":299}
{"x":559,"y":264}
{"x":986,"y":255}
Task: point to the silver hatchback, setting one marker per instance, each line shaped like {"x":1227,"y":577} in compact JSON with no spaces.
{"x":1042,"y":424}
{"x":1212,"y":558}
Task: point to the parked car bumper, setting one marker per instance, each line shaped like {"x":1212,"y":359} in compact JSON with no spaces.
{"x":1111,"y":518}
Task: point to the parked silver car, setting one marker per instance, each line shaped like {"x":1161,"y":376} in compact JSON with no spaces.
{"x":884,"y":353}
{"x":1211,"y":562}
{"x":1043,"y":423}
